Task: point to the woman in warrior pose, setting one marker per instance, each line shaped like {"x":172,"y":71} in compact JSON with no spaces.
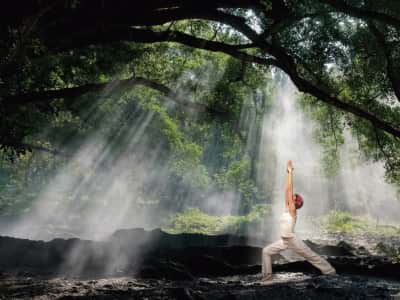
{"x":288,"y":240}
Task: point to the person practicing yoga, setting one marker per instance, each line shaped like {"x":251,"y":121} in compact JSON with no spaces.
{"x":288,"y":240}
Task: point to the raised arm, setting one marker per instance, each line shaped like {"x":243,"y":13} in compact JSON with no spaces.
{"x":289,"y":202}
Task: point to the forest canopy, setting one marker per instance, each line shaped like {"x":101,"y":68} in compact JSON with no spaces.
{"x":201,"y":67}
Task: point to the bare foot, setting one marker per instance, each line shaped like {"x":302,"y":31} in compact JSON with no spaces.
{"x":266,"y":278}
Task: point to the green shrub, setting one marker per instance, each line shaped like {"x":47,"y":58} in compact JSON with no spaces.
{"x":340,"y":221}
{"x":193,"y":220}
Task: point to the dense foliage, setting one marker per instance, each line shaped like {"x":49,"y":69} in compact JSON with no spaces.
{"x":198,"y":75}
{"x":204,"y":151}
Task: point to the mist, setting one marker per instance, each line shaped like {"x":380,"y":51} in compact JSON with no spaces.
{"x":108,"y":183}
{"x":120,"y":176}
{"x":359,"y":187}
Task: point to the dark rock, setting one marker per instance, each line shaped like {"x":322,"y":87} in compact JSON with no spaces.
{"x":341,"y":249}
{"x":156,"y":254}
{"x":180,"y":293}
{"x":164,"y":270}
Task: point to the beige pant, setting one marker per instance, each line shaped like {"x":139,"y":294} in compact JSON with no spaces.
{"x":300,"y":248}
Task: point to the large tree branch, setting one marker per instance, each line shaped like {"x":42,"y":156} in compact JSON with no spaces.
{"x":118,"y":34}
{"x":101,"y":14}
{"x":74,"y":92}
{"x":289,"y":66}
{"x":307,"y":87}
{"x":31,"y":147}
{"x":284,"y":61}
{"x":106,"y":11}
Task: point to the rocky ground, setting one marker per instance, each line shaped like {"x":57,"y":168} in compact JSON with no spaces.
{"x":135,"y":264}
{"x":284,"y":286}
{"x":366,"y":241}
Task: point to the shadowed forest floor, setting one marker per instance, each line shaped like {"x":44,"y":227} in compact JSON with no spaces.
{"x":139,"y":264}
{"x":284,"y":286}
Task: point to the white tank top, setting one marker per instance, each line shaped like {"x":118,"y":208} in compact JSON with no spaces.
{"x":287,"y":223}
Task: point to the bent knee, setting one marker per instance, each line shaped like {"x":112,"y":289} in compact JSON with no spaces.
{"x":267,"y":251}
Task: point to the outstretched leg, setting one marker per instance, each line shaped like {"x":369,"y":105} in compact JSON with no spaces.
{"x":316,"y":260}
{"x":271,"y":249}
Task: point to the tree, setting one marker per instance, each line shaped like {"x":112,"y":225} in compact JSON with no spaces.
{"x":277,"y":33}
{"x":194,"y":100}
{"x":343,"y":53}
